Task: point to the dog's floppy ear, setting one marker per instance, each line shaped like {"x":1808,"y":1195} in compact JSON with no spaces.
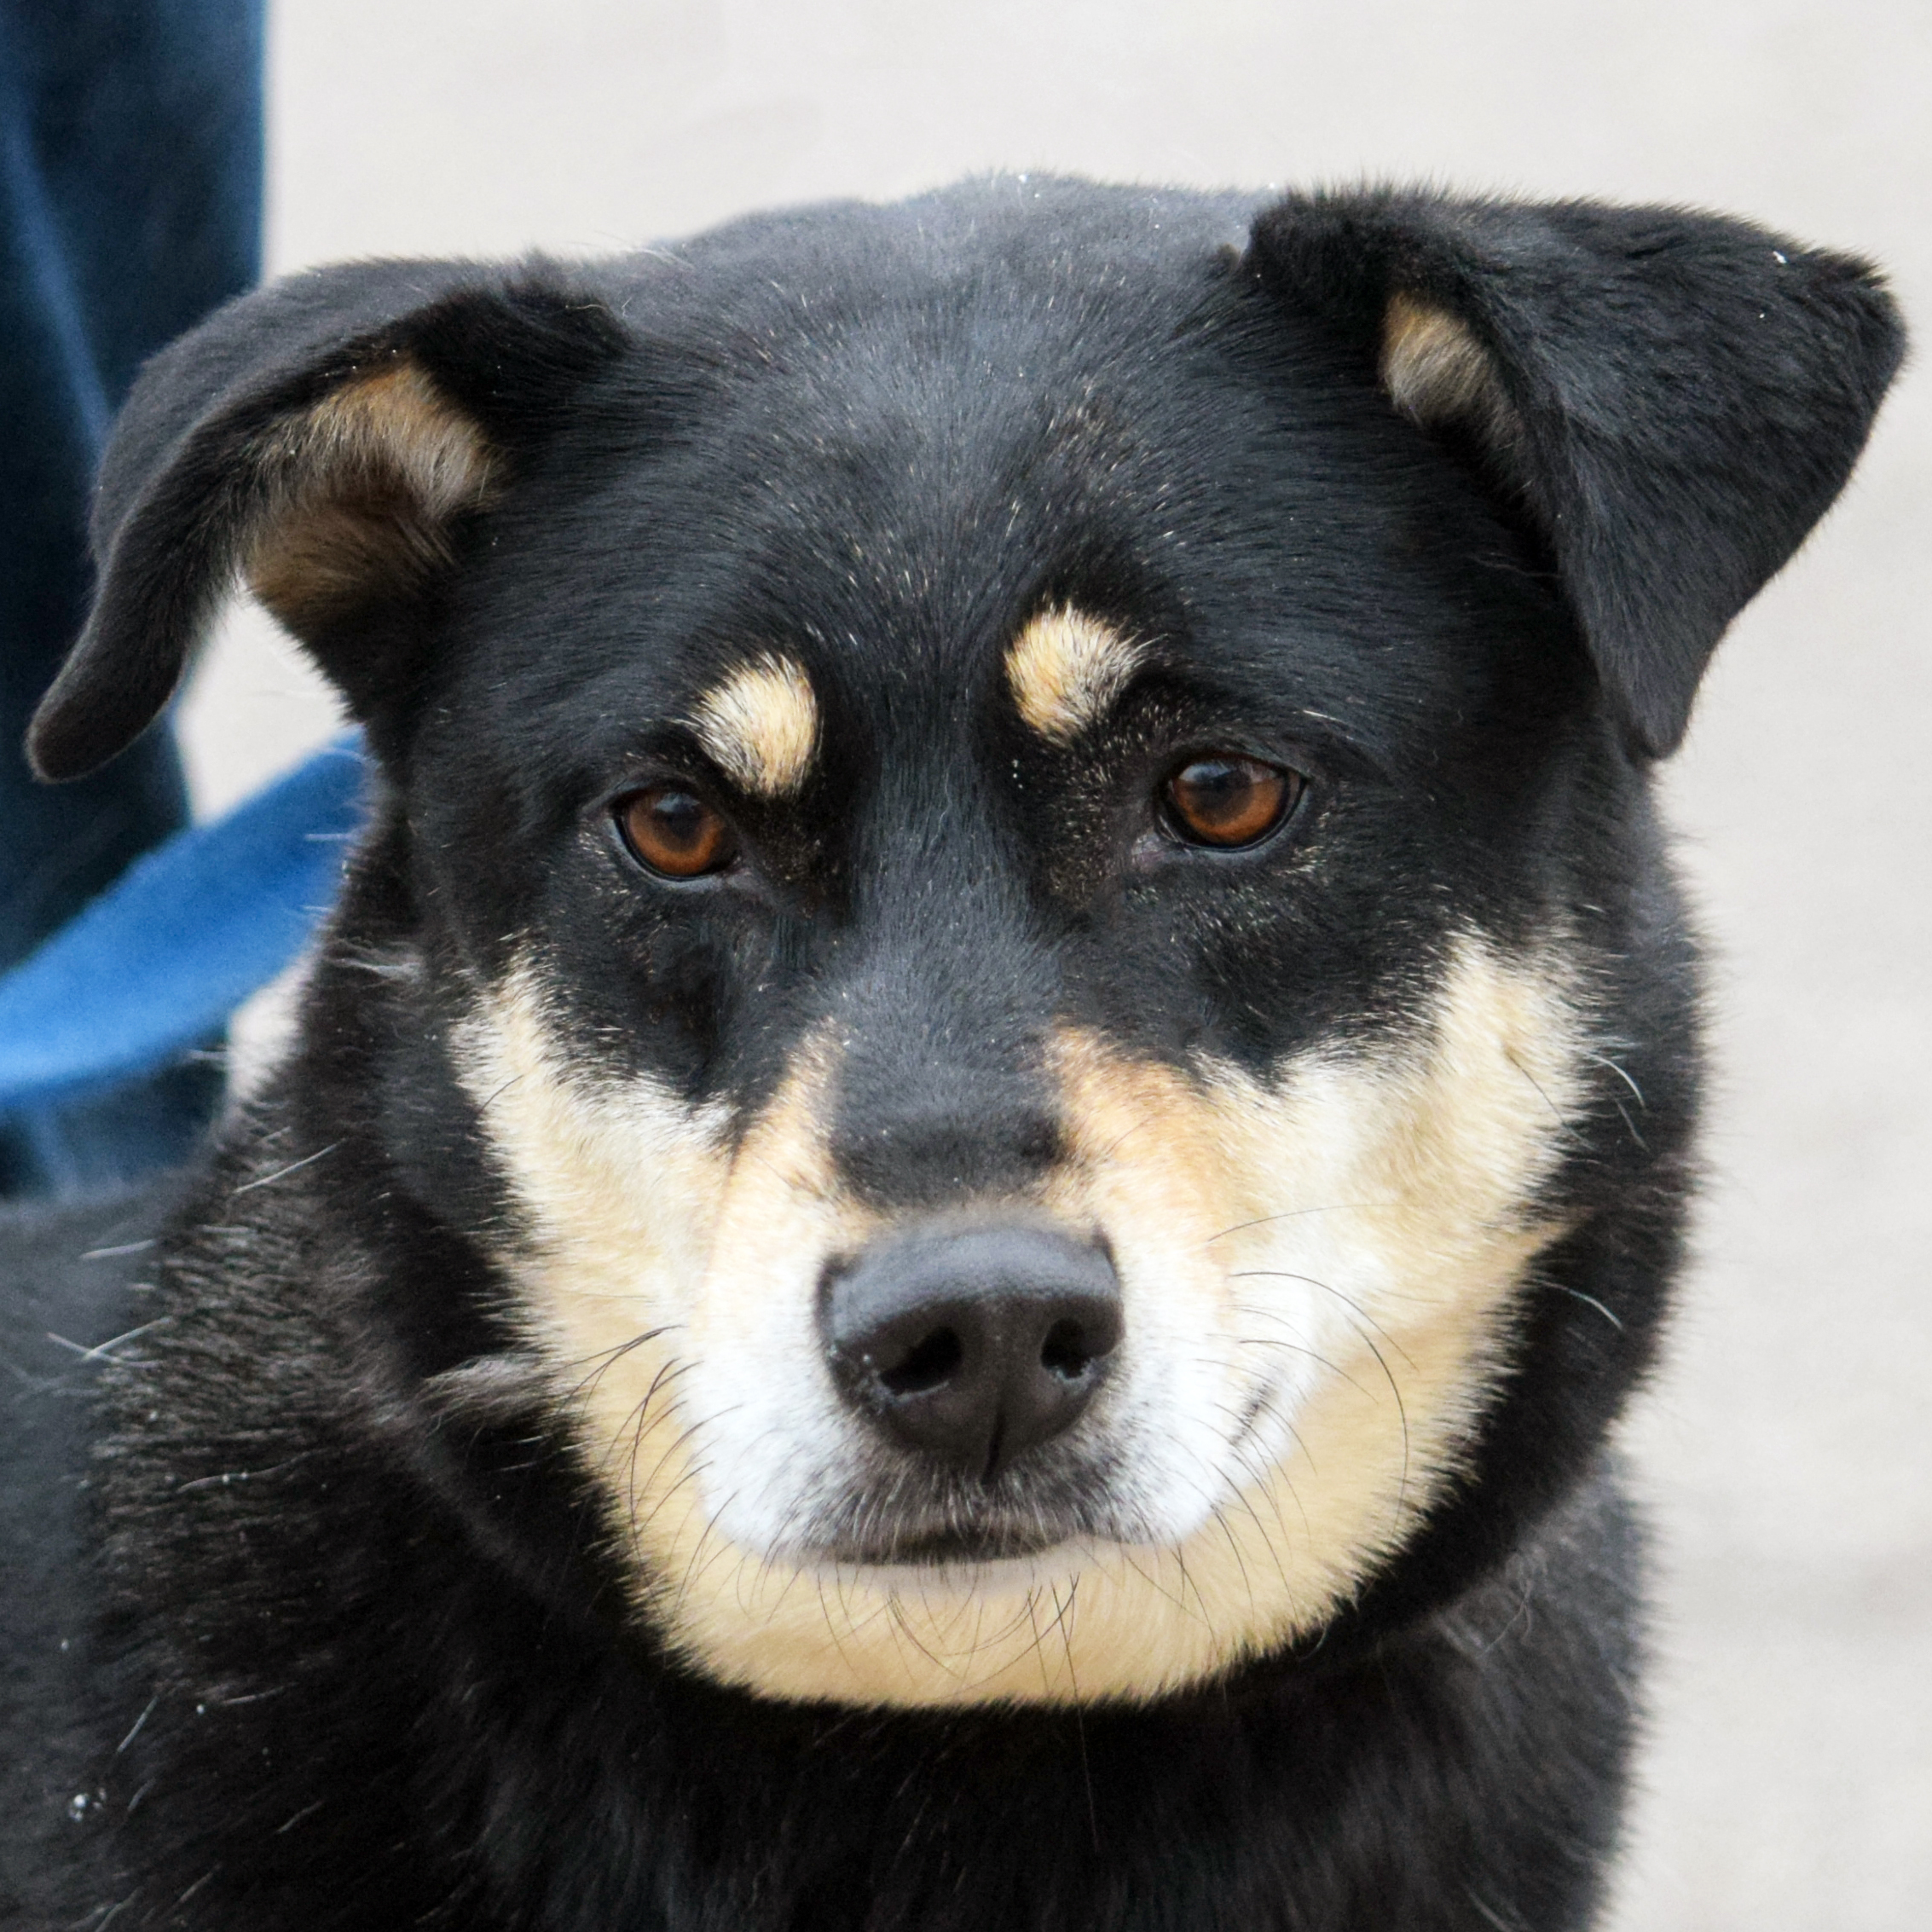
{"x":1676,"y":398}
{"x":321,"y":439}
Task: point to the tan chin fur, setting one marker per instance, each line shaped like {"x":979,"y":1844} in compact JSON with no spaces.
{"x":360,"y":490}
{"x":1371,"y":1214}
{"x":1065,"y":668}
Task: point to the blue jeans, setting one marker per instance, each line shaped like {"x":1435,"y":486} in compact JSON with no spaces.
{"x":131,"y":204}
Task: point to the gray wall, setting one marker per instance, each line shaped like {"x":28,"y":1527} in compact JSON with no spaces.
{"x":1787,"y":1450}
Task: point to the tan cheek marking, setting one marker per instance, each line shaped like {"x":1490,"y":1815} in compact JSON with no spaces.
{"x":650,"y":1240}
{"x":361,"y":488}
{"x":775,"y":1215}
{"x":620,"y":1187}
{"x":1435,"y":371}
{"x":761,"y":725}
{"x":1064,"y":670}
{"x":1433,"y":1171}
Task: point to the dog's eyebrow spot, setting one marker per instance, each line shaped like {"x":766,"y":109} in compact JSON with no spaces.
{"x":761,"y":726}
{"x":1065,"y":668}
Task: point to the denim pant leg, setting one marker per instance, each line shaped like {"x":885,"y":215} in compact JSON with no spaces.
{"x":130,"y":202}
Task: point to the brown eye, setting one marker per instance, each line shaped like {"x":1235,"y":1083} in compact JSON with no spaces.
{"x":1229,"y":801}
{"x":675,"y":832}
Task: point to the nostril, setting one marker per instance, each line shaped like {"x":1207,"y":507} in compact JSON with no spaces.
{"x":928,"y":1364}
{"x":1068,"y":1350}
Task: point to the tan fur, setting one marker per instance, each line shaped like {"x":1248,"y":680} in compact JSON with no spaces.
{"x":360,"y":488}
{"x":761,"y":725}
{"x":1437,"y":372}
{"x":1065,"y":668}
{"x":1353,"y":1235}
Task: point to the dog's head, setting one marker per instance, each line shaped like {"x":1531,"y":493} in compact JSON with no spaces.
{"x":1025,"y":823}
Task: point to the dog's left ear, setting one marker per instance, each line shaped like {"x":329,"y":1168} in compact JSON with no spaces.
{"x":1675,"y":399}
{"x":327,"y":439}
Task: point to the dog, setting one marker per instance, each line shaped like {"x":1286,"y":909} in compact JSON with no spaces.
{"x":999,"y":1107}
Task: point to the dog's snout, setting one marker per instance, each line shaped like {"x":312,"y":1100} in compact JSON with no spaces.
{"x":973,"y":1345}
{"x":977,"y":1133}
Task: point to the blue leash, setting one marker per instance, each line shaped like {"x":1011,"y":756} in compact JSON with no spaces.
{"x":160,"y":961}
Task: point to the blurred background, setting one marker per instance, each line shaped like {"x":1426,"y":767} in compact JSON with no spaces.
{"x":1787,"y":1449}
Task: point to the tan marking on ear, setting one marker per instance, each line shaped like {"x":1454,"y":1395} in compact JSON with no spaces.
{"x":1065,"y":668}
{"x":1437,"y":372}
{"x":761,"y":725}
{"x":360,"y":490}
{"x":1354,"y":1234}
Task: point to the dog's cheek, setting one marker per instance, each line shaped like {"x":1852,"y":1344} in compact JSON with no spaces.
{"x":1322,"y":1269}
{"x":618,"y":1182}
{"x":667,"y":1278}
{"x":1395,"y":1204}
{"x":764,"y":1434}
{"x":1148,"y":1171}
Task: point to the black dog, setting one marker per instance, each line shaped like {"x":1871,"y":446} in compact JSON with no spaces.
{"x":998,"y":1109}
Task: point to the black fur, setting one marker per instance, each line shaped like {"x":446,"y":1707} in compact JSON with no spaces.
{"x":352,"y":1649}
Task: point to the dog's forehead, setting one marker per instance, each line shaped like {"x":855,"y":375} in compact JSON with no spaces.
{"x":940,"y":489}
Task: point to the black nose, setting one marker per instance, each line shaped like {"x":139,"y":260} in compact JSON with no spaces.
{"x":974,"y":1345}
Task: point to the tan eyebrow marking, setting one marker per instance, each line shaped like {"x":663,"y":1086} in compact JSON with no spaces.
{"x":1065,"y":668}
{"x":761,"y":726}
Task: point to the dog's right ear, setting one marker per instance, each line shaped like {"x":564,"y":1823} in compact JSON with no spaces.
{"x":1672,"y":399}
{"x":322,"y":439}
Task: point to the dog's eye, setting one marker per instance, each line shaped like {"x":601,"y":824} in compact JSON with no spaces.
{"x":675,"y":832}
{"x":1229,"y":801}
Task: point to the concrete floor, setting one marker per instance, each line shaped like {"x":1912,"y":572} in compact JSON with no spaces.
{"x":1788,"y":1782}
